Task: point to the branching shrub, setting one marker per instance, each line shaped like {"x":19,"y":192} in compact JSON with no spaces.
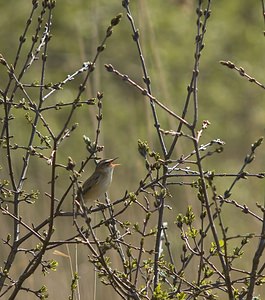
{"x":132,"y":242}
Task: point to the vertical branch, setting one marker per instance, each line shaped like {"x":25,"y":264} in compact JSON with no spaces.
{"x":192,"y":87}
{"x":201,"y":30}
{"x":256,"y":260}
{"x":261,"y":245}
{"x":263,"y":12}
{"x":210,"y":216}
{"x":147,"y":81}
{"x":22,"y":40}
{"x":146,"y":77}
{"x":36,"y":261}
{"x":160,"y":200}
{"x":26,"y":159}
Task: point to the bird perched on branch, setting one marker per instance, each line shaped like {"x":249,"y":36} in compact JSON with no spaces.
{"x":98,"y":183}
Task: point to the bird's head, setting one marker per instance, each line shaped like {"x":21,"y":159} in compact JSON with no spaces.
{"x":106,"y":165}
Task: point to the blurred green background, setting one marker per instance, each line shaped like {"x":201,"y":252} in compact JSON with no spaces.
{"x":234,"y":106}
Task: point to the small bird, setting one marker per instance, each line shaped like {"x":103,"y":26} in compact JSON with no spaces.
{"x":98,"y":183}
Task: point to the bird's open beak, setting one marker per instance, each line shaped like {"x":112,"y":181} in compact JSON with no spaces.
{"x":112,"y":164}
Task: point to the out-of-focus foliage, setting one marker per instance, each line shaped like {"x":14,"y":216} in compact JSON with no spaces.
{"x":167,"y":34}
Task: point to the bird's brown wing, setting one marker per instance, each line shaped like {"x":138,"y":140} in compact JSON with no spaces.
{"x":90,"y":182}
